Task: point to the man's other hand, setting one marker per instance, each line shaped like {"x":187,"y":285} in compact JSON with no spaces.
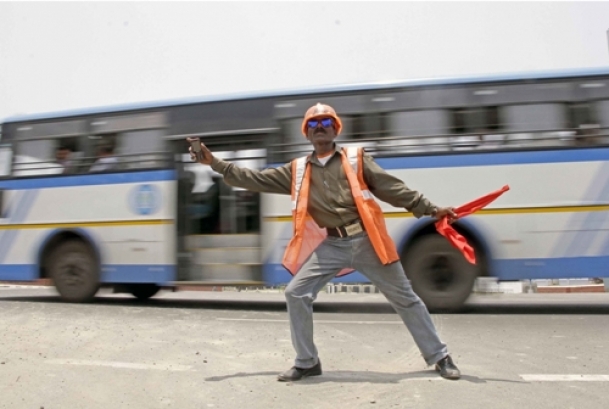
{"x":446,"y":212}
{"x":207,"y":155}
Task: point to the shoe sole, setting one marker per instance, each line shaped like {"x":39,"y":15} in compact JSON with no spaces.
{"x":451,"y":377}
{"x":281,"y":379}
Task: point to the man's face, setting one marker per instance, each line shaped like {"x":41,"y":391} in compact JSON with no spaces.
{"x":320,"y":131}
{"x":62,"y":154}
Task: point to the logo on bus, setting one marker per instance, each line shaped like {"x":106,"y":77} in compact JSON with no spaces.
{"x":145,"y":199}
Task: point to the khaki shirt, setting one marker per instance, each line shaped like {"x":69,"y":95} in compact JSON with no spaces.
{"x":331,"y":203}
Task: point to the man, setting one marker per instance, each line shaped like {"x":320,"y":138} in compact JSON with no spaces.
{"x":106,"y":161}
{"x":63,"y":155}
{"x":355,"y":234}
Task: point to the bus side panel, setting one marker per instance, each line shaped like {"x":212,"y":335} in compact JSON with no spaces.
{"x":133,"y":220}
{"x":552,"y":223}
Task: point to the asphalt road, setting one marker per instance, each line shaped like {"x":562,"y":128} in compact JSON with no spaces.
{"x":224,"y":350}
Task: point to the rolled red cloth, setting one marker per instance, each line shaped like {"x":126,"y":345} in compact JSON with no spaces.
{"x":451,"y":234}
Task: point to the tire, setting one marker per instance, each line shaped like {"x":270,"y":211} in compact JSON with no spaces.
{"x":75,"y":271}
{"x":143,"y":291}
{"x":439,"y":273}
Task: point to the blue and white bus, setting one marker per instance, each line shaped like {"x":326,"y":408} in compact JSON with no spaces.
{"x":147,"y":218}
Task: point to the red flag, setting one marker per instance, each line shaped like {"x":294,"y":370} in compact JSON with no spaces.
{"x":451,"y":234}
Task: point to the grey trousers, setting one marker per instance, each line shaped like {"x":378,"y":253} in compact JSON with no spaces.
{"x":335,"y":254}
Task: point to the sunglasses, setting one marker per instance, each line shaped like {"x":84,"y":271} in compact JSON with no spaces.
{"x":325,"y":122}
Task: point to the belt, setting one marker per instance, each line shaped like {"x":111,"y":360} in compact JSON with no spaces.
{"x":347,"y":230}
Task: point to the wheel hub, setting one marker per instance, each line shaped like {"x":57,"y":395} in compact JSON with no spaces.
{"x":73,"y":271}
{"x":440,"y":272}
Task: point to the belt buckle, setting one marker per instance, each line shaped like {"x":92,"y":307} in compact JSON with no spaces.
{"x":353,"y":229}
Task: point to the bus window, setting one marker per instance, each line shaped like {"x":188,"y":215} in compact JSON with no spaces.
{"x":580,"y":113}
{"x":104,"y":152}
{"x":582,"y":117}
{"x":602,"y":108}
{"x":534,"y":125}
{"x":43,"y":149}
{"x":472,"y":120}
{"x":359,"y":130}
{"x":459,"y":118}
{"x":365,"y":126}
{"x":354,"y":126}
{"x":46,"y":157}
{"x":141,"y":149}
{"x":466,"y":121}
{"x":493,"y":118}
{"x":6,"y":157}
{"x":476,"y":127}
{"x":294,"y":144}
{"x":416,"y":131}
{"x":70,"y":154}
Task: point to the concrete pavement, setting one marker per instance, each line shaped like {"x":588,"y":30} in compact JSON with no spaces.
{"x":224,"y":349}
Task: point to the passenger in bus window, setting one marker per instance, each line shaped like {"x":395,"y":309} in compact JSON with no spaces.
{"x":588,"y":135}
{"x":340,"y":228}
{"x":106,"y":161}
{"x":63,"y":155}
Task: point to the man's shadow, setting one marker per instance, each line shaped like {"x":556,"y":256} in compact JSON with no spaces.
{"x":365,"y":377}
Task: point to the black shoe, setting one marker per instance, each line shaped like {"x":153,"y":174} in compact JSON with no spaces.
{"x":296,"y":374}
{"x":447,"y":368}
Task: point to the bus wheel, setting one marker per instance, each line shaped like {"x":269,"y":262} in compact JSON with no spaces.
{"x":143,"y":291}
{"x":75,"y":271}
{"x":439,"y":273}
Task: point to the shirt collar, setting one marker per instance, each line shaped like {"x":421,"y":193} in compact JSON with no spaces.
{"x":313,"y":157}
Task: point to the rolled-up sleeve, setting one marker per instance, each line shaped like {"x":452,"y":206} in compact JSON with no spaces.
{"x":394,"y":191}
{"x":271,"y":180}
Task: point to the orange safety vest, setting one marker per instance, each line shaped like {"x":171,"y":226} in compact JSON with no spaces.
{"x":308,"y":235}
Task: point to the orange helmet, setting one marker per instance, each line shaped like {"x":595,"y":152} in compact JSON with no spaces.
{"x":321,"y":110}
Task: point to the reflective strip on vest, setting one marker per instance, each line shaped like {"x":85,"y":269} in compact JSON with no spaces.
{"x":301,"y":165}
{"x":352,"y":155}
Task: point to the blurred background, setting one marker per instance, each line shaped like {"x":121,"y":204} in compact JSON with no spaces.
{"x":98,"y":98}
{"x":57,"y":56}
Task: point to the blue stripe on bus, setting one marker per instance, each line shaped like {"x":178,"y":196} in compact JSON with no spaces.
{"x":18,"y":272}
{"x":514,"y":269}
{"x":541,"y":268}
{"x":161,"y":274}
{"x":495,"y":158}
{"x":275,"y":274}
{"x":88,"y":180}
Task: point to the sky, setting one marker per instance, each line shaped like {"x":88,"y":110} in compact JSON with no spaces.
{"x":72,"y":55}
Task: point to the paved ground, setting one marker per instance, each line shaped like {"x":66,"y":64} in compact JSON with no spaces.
{"x":223,"y":350}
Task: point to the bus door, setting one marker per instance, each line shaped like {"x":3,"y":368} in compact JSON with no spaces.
{"x":218,"y":225}
{"x":6,"y":156}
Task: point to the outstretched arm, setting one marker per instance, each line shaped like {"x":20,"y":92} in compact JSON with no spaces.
{"x":394,"y":191}
{"x":271,"y":180}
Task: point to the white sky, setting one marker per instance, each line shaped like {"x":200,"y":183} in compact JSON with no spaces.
{"x":58,"y":56}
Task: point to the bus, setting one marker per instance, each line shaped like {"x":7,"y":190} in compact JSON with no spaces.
{"x":109,"y":197}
